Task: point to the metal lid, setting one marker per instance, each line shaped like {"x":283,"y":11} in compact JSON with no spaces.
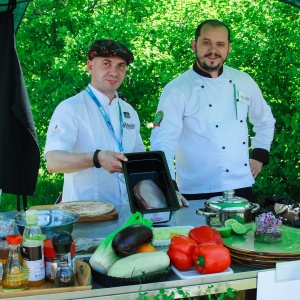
{"x":228,"y":202}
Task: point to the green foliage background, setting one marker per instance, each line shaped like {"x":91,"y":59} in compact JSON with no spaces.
{"x":54,"y":37}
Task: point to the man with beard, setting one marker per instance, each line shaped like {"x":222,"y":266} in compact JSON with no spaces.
{"x":201,"y":120}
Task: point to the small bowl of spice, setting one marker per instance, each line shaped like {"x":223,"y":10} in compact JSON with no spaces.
{"x":268,"y":229}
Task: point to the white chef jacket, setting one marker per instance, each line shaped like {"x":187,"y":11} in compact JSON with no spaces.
{"x":205,"y":127}
{"x":77,"y":126}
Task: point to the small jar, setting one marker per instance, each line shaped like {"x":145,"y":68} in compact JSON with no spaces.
{"x":268,"y":234}
{"x":51,"y":259}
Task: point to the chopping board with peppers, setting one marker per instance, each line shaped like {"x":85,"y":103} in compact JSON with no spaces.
{"x":245,"y":250}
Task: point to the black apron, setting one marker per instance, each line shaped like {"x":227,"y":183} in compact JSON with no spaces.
{"x":19,"y":150}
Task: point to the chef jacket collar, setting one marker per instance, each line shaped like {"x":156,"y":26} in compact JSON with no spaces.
{"x":204,"y":74}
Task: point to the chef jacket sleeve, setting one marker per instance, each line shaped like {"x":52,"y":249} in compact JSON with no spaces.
{"x":63,"y":129}
{"x":165,"y":134}
{"x":260,"y":115}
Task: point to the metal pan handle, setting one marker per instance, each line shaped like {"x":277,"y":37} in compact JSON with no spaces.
{"x":202,"y":212}
{"x":255,"y":207}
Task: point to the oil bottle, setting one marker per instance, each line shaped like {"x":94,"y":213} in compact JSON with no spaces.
{"x":33,"y":249}
{"x":15,"y":276}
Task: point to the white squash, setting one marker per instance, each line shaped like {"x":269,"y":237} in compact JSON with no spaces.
{"x":140,"y":264}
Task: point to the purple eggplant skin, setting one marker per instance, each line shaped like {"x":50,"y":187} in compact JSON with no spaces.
{"x":129,"y":239}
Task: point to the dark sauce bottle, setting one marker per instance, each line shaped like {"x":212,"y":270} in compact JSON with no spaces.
{"x":64,"y":275}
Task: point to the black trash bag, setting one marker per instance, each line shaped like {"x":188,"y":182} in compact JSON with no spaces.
{"x":283,"y":208}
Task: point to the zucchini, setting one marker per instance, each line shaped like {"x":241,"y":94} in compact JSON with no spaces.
{"x":140,"y":264}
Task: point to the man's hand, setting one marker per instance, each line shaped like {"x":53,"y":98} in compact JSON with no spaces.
{"x":111,"y":161}
{"x":182,"y":201}
{"x":255,"y":166}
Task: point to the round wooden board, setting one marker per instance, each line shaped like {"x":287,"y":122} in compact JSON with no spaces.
{"x":87,"y":208}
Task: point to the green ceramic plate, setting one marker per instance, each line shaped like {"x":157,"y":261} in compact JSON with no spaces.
{"x":245,"y":244}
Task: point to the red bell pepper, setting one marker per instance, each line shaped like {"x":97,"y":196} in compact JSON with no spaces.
{"x":211,"y":258}
{"x":180,"y":252}
{"x":202,"y":234}
{"x":217,"y":237}
{"x":205,"y":234}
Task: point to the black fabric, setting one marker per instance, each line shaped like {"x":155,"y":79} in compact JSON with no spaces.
{"x":261,"y":155}
{"x":19,"y":150}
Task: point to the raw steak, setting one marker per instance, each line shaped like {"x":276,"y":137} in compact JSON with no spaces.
{"x":148,"y":195}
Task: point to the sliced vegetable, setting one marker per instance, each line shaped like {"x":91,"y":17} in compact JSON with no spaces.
{"x":202,"y":234}
{"x":140,"y":264}
{"x":180,"y":252}
{"x":104,"y":256}
{"x":238,"y":228}
{"x":224,"y":231}
{"x":211,"y":258}
{"x":229,"y":222}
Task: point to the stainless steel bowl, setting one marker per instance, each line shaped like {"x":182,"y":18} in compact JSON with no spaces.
{"x":50,"y":220}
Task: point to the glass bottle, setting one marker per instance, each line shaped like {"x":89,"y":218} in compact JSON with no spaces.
{"x":33,"y":249}
{"x":15,"y":275}
{"x":64,"y":275}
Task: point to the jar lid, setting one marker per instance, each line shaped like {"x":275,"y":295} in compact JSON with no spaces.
{"x":14,"y":239}
{"x":49,"y":250}
{"x":31,"y":217}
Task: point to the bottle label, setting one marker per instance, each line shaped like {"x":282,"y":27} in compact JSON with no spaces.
{"x":32,"y":253}
{"x":36,"y":270}
{"x":34,"y":260}
{"x":51,"y":267}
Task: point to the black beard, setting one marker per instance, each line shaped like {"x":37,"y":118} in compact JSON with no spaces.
{"x":206,"y":67}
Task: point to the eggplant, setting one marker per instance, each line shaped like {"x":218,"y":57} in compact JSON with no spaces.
{"x":130,"y":238}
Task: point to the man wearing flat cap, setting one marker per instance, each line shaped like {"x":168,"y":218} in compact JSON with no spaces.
{"x":89,"y":133}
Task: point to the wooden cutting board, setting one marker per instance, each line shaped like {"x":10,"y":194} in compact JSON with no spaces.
{"x":107,"y":217}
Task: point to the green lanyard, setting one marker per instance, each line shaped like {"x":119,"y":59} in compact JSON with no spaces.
{"x":235,"y":101}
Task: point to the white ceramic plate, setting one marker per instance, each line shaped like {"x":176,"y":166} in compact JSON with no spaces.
{"x":193,"y":273}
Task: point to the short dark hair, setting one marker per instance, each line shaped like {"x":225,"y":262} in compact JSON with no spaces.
{"x":213,"y":23}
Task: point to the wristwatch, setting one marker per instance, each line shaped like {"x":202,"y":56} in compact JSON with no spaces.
{"x":95,"y":159}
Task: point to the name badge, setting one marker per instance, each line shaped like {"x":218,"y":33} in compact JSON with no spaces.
{"x":126,"y":114}
{"x":244,"y":98}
